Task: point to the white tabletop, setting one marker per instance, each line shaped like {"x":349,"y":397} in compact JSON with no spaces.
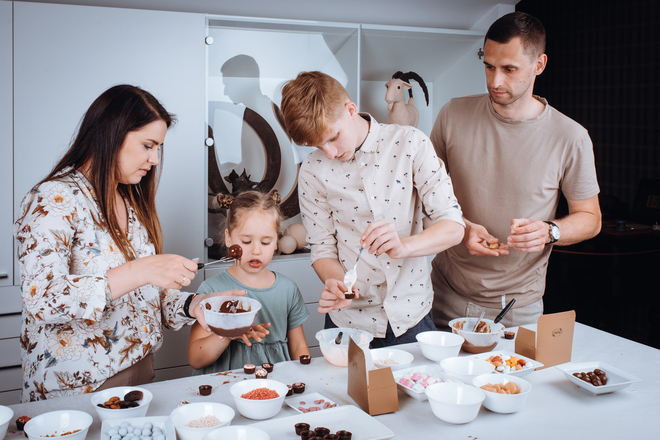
{"x":555,"y":409}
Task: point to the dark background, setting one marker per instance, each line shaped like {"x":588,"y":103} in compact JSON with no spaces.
{"x":603,"y":71}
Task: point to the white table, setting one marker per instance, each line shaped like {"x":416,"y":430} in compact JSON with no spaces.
{"x":555,"y":409}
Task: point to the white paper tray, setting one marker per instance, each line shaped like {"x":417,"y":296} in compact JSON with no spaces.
{"x":308,"y":398}
{"x":616,"y":379}
{"x":163,"y":422}
{"x":347,"y":417}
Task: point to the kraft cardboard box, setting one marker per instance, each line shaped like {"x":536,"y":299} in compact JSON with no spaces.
{"x":380,"y":395}
{"x":552,"y":342}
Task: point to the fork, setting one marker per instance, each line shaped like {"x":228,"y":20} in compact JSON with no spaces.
{"x":350,"y":277}
{"x":221,"y":260}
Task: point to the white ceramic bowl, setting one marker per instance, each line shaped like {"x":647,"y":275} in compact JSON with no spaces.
{"x":437,"y":346}
{"x":503,"y":403}
{"x":477,"y":342}
{"x":455,"y":402}
{"x":56,"y":423}
{"x":230,"y":324}
{"x":185,"y":414}
{"x":337,"y":354}
{"x":100,"y":397}
{"x":258,"y":409}
{"x":466,"y":369}
{"x":6,"y":414}
{"x":616,"y":379}
{"x":237,"y":433}
{"x":391,"y":357}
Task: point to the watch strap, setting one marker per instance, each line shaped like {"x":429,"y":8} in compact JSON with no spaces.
{"x":186,"y":305}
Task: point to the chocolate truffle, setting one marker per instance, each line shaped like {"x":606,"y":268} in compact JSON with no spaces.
{"x":509,"y":335}
{"x":301,"y":427}
{"x":306,"y":435}
{"x":289,"y":391}
{"x":298,"y":387}
{"x":267,"y":366}
{"x":21,"y":421}
{"x":261,"y":373}
{"x":235,"y":251}
{"x":349,"y":295}
{"x":321,"y":431}
{"x":344,"y":435}
{"x":305,"y":359}
{"x":205,"y":390}
{"x":249,"y":368}
{"x":331,"y":437}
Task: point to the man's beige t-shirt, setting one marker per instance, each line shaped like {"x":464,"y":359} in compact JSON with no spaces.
{"x":501,"y":170}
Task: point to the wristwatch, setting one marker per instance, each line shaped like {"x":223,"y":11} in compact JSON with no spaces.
{"x":554,"y":232}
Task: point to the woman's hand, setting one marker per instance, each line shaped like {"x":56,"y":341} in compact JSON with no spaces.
{"x":197,"y":312}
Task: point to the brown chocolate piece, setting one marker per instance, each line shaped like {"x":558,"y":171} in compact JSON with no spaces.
{"x":133,"y":396}
{"x":235,"y":251}
{"x":305,"y":359}
{"x":232,"y":306}
{"x":205,"y":390}
{"x":249,"y":368}
{"x":301,"y":427}
{"x":306,"y":435}
{"x":298,"y":387}
{"x":22,"y":420}
{"x":349,"y":295}
{"x":261,"y":373}
{"x":289,"y":391}
{"x":344,"y":435}
{"x":331,"y":437}
{"x":321,"y":431}
{"x":509,"y":335}
{"x":267,"y":366}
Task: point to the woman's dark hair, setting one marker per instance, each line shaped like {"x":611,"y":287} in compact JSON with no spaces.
{"x":519,"y":24}
{"x":119,"y":110}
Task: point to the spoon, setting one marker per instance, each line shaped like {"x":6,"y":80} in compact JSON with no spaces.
{"x":483,"y":312}
{"x":350,"y":277}
{"x":504,"y":311}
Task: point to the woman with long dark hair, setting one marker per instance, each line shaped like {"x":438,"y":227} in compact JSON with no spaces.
{"x":96,"y":287}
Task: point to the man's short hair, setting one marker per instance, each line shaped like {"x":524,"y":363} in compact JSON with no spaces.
{"x":310,"y":103}
{"x":519,"y":24}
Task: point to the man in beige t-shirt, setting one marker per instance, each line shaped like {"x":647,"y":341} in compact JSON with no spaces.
{"x":509,"y":155}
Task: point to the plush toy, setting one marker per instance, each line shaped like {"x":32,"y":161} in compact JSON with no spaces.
{"x":400,"y":112}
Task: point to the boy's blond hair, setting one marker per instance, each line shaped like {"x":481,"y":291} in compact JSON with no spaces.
{"x":310,"y":103}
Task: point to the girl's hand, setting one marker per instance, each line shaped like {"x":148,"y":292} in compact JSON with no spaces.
{"x":332,"y":296}
{"x":257,"y":332}
{"x":197,"y":311}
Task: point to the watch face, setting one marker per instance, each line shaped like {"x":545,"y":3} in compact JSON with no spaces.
{"x":554,"y":232}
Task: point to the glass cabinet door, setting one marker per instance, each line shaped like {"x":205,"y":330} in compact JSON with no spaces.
{"x":248,"y":62}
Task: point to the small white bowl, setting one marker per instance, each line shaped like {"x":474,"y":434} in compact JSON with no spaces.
{"x":237,"y":433}
{"x":258,"y":409}
{"x":503,"y":403}
{"x":477,"y":342}
{"x":337,"y":354}
{"x":185,"y":414}
{"x":437,"y":346}
{"x":230,"y":324}
{"x":391,"y":357}
{"x":6,"y":414}
{"x":56,"y":423}
{"x":466,"y":369}
{"x":99,"y":397}
{"x":455,"y":402}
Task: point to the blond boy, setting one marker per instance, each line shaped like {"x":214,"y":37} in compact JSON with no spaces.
{"x":368,"y":186}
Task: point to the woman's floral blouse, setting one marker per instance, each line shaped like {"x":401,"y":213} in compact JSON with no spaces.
{"x":73,"y":336}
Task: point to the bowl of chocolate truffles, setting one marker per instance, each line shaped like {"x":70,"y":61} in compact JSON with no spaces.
{"x":258,"y":399}
{"x":334,"y":343}
{"x":230,"y":316}
{"x":481,"y":335}
{"x":121,"y":402}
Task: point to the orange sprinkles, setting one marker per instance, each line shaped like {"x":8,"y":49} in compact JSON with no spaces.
{"x":260,"y":394}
